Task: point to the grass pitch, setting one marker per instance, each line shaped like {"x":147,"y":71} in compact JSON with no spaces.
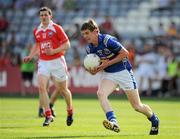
{"x":18,"y":119}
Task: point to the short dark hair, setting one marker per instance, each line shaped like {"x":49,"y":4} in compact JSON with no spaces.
{"x":45,"y":9}
{"x":90,"y":25}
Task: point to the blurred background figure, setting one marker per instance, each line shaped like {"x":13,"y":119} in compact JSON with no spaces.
{"x":3,"y":23}
{"x":27,"y":72}
{"x":146,"y":64}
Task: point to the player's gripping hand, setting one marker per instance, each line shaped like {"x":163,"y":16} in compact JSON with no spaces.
{"x":104,"y":64}
{"x":91,"y":71}
{"x":27,"y":59}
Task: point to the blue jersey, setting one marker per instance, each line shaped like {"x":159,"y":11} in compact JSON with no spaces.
{"x":108,"y":48}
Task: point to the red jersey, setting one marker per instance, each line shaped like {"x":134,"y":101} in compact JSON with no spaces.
{"x":51,"y":37}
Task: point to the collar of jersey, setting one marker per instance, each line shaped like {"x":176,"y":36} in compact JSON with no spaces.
{"x":100,"y":38}
{"x":50,"y":26}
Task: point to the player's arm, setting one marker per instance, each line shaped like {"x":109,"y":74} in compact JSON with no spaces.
{"x":34,"y":51}
{"x":123,"y":53}
{"x":64,"y":42}
{"x":116,"y":48}
{"x":63,"y":48}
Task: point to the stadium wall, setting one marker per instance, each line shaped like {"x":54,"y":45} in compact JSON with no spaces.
{"x":80,"y":80}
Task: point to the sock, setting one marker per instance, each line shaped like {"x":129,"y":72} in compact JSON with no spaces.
{"x":40,"y":109}
{"x":41,"y":112}
{"x":70,"y":111}
{"x":51,"y":105}
{"x":111,"y":116}
{"x":154,"y":120}
{"x":48,"y":113}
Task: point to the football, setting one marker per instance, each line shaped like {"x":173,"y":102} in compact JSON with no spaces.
{"x":91,"y":61}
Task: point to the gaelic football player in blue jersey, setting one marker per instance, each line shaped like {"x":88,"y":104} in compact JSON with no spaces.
{"x":117,"y":71}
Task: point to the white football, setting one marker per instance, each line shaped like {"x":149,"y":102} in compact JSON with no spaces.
{"x":91,"y":61}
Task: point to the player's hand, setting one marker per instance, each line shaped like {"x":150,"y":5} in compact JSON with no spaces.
{"x":103,"y":65}
{"x":27,"y":59}
{"x":49,"y":51}
{"x":93,"y":71}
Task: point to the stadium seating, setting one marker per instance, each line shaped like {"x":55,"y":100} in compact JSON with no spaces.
{"x":130,"y":18}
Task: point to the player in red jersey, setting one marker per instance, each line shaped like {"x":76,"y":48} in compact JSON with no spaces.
{"x":51,"y":43}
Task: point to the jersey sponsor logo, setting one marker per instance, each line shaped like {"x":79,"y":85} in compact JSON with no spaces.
{"x":100,"y":52}
{"x":111,"y":55}
{"x":104,"y":58}
{"x":50,"y":34}
{"x":45,"y":45}
{"x":106,"y":51}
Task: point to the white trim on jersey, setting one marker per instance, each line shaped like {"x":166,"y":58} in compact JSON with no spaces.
{"x":106,"y":38}
{"x":50,"y":26}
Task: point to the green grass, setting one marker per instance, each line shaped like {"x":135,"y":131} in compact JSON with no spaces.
{"x":18,"y":119}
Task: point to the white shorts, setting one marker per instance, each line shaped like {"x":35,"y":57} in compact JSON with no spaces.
{"x":124,"y":79}
{"x":56,"y":68}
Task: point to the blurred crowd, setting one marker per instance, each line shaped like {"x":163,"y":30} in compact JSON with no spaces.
{"x":155,"y":55}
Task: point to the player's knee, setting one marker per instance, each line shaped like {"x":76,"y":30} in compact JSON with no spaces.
{"x":137,"y":107}
{"x":63,"y":90}
{"x":42,"y":89}
{"x":100,"y":94}
{"x":60,"y":88}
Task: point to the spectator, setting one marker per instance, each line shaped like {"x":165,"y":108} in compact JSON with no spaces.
{"x":172,"y":30}
{"x":150,"y":32}
{"x":6,"y":4}
{"x":107,"y":26}
{"x":4,"y":54}
{"x":173,"y":75}
{"x":131,"y":49}
{"x":161,"y":69}
{"x":58,"y":4}
{"x":160,"y":30}
{"x":12,"y":40}
{"x":27,"y":71}
{"x":3,"y":24}
{"x":163,"y":5}
{"x":146,"y":68}
{"x":71,"y":5}
{"x":76,"y":34}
